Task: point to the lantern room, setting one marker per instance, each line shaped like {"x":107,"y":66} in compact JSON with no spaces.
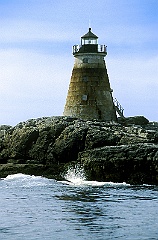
{"x":89,"y":38}
{"x":89,"y":44}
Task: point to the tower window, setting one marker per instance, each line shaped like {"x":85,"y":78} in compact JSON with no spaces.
{"x":85,"y":79}
{"x":84,"y":97}
{"x":85,"y":60}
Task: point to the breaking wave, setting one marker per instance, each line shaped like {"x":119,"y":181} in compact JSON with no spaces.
{"x":75,"y":176}
{"x":24,"y":180}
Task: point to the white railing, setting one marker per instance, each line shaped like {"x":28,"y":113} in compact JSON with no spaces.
{"x":76,"y":48}
{"x":118,"y":107}
{"x":101,"y":48}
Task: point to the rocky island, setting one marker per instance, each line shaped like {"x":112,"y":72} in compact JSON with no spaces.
{"x":126,"y":151}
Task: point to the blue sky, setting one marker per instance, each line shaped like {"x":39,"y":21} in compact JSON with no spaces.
{"x":36,"y":54}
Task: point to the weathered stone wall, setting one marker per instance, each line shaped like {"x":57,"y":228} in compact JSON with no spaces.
{"x":89,"y":95}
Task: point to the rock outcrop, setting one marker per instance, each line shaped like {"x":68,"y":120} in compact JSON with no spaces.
{"x":108,"y":151}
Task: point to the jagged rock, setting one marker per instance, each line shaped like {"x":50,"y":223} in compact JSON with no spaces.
{"x":137,"y":163}
{"x":52,"y":171}
{"x":70,"y":142}
{"x":136,"y":120}
{"x":109,"y":151}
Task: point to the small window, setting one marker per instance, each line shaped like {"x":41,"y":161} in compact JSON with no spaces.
{"x":84,"y":97}
{"x":85,"y":79}
{"x":85,"y":60}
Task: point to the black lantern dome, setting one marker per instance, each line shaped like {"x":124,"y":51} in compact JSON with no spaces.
{"x":89,"y":44}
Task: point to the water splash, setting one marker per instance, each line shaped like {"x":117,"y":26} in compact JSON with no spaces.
{"x":76,"y":176}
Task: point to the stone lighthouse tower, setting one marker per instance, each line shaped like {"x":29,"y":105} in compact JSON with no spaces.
{"x":89,"y":95}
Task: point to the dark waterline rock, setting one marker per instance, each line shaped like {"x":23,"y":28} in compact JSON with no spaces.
{"x":108,"y":151}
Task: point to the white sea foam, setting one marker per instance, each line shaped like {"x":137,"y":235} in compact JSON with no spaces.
{"x":21,"y":176}
{"x":25,"y":180}
{"x":74,"y":176}
{"x":17,"y":176}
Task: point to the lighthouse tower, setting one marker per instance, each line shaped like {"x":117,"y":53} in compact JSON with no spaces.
{"x":89,"y":95}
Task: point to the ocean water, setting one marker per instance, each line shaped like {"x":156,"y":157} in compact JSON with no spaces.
{"x":37,"y":208}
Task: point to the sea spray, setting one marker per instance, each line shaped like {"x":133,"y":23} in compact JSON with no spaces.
{"x":75,"y":174}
